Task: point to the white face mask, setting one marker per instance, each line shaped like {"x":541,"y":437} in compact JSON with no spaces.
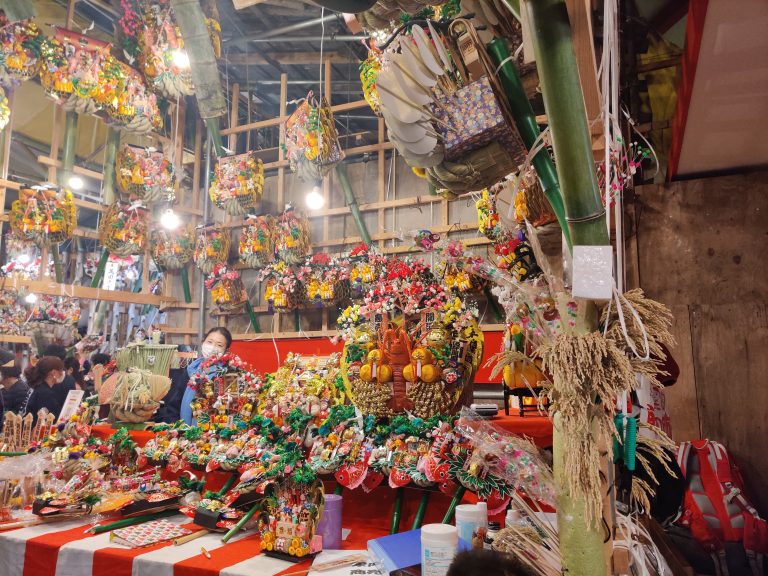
{"x":60,"y":379}
{"x":210,"y":349}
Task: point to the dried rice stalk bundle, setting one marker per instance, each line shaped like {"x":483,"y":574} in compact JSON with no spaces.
{"x":656,"y":318}
{"x":589,"y":372}
{"x":658,"y":446}
{"x":137,"y":395}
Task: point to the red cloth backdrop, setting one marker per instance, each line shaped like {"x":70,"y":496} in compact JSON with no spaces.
{"x":261,"y":353}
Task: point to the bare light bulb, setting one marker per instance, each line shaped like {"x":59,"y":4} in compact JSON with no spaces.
{"x":180,"y":58}
{"x":24,"y":259}
{"x":30,"y":298}
{"x":170,"y":220}
{"x":75,"y":183}
{"x":314,"y":199}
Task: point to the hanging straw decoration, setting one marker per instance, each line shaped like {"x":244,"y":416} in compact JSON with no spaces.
{"x":5,"y":110}
{"x":325,"y":281}
{"x":530,"y":202}
{"x":211,"y":248}
{"x":589,"y":373}
{"x":257,"y":241}
{"x":172,"y":249}
{"x":45,"y":215}
{"x":369,"y":71}
{"x":133,"y":106}
{"x":237,"y":184}
{"x":20,"y":44}
{"x":144,"y":173}
{"x":73,"y":70}
{"x":282,"y":290}
{"x":124,"y":229}
{"x":162,"y":54}
{"x":226,"y":288}
{"x":311,"y":140}
{"x":292,"y":241}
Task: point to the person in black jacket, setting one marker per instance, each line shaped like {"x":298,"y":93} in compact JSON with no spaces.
{"x":14,"y":389}
{"x":62,"y":388}
{"x":42,"y":378}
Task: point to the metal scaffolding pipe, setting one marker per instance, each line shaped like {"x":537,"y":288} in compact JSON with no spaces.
{"x":329,"y":38}
{"x":279,"y":31}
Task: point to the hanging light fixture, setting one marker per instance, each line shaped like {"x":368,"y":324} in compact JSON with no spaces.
{"x":169,"y":219}
{"x":314,"y":199}
{"x":75,"y":183}
{"x":30,"y":298}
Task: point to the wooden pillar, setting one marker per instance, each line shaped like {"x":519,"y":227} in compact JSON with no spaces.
{"x":280,"y":159}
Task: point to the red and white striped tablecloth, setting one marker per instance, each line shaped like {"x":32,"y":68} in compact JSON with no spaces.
{"x":65,"y":549}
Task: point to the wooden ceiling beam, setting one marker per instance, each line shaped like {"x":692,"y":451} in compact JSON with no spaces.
{"x":256,"y":59}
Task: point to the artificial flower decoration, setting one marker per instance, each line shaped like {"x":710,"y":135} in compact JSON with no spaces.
{"x":311,"y":140}
{"x":292,"y":242}
{"x":237,"y":183}
{"x":20,"y":51}
{"x":257,"y":241}
{"x":124,"y":229}
{"x":282,"y":289}
{"x":172,"y":249}
{"x":211,"y":248}
{"x":366,"y":267}
{"x":325,"y":280}
{"x":45,"y":215}
{"x":226,"y":288}
{"x":144,"y":173}
{"x":162,"y":57}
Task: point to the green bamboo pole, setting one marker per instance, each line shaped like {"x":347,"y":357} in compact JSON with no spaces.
{"x":185,"y":285}
{"x":581,"y":544}
{"x":525,"y":121}
{"x":110,"y":156}
{"x":513,"y":6}
{"x":423,"y":503}
{"x":252,"y":317}
{"x":227,"y":485}
{"x":67,"y":164}
{"x":395,"y":527}
{"x":242,"y":522}
{"x":452,"y":506}
{"x":213,"y":129}
{"x":131,"y":521}
{"x":354,"y":209}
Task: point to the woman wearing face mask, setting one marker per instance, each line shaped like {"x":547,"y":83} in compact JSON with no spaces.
{"x":217,"y":341}
{"x":41,"y":378}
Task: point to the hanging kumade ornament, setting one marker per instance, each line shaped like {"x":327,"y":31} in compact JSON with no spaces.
{"x":311,"y":140}
{"x":257,"y":241}
{"x":172,"y":249}
{"x":73,"y":67}
{"x":282,"y":289}
{"x":45,"y":215}
{"x":211,"y":248}
{"x":369,"y":71}
{"x":292,"y":241}
{"x":5,"y":110}
{"x":237,"y":183}
{"x":162,"y":57}
{"x":226,"y":288}
{"x":124,"y":229}
{"x":134,"y":107}
{"x":325,"y":281}
{"x":20,"y":47}
{"x":144,"y":173}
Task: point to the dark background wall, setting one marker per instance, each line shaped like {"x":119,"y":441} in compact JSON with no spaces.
{"x":702,"y":249}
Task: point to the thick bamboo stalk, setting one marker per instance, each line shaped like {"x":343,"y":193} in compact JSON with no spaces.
{"x":581,"y":544}
{"x":399,"y":494}
{"x":525,"y":120}
{"x":341,"y":172}
{"x":110,"y":155}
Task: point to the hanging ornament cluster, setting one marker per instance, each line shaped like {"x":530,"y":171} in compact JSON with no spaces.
{"x":81,"y":75}
{"x":292,"y":241}
{"x":226,"y":287}
{"x":45,"y":215}
{"x":172,"y":249}
{"x":365,"y":269}
{"x":456,"y":272}
{"x":162,"y":57}
{"x":144,"y":173}
{"x":325,"y":280}
{"x":488,"y":220}
{"x":22,"y":258}
{"x":5,"y":110}
{"x":237,"y":183}
{"x":20,"y":48}
{"x":530,"y":202}
{"x":282,"y":290}
{"x":311,"y":140}
{"x":257,"y":241}
{"x":211,"y":248}
{"x":515,"y":255}
{"x":124,"y":229}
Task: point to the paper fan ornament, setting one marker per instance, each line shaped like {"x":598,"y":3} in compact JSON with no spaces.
{"x":237,"y":183}
{"x":172,"y":249}
{"x":292,"y":241}
{"x":124,"y":229}
{"x":211,"y":248}
{"x":20,"y":46}
{"x":144,"y":173}
{"x":45,"y":215}
{"x":257,"y":241}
